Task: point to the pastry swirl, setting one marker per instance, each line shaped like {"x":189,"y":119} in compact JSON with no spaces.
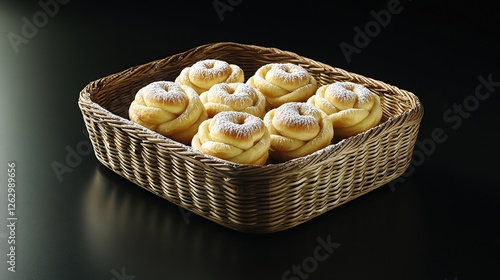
{"x":205,"y":73}
{"x":297,"y":129}
{"x":234,"y":136}
{"x":283,"y":83}
{"x":352,"y":107}
{"x":238,"y":97}
{"x":168,"y":108}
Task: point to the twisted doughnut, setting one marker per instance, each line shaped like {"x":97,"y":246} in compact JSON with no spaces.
{"x":234,"y":97}
{"x":352,"y":107}
{"x":297,"y":129}
{"x":234,"y":136}
{"x":168,"y":108}
{"x":282,"y":83}
{"x":205,"y":73}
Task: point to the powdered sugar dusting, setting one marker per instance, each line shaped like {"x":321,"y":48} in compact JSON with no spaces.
{"x":349,"y":91}
{"x":212,"y":67}
{"x":287,"y":72}
{"x":237,"y":95}
{"x":240,"y":124}
{"x":233,"y":89}
{"x":297,"y":114}
{"x":342,"y":91}
{"x":164,"y":92}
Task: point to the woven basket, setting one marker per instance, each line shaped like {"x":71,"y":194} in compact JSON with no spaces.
{"x":246,"y":198}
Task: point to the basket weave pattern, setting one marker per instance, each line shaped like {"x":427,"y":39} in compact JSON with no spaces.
{"x":256,"y":199}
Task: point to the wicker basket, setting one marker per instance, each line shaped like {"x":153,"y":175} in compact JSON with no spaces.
{"x":254,"y":199}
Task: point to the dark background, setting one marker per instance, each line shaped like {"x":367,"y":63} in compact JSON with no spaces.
{"x":439,"y":222}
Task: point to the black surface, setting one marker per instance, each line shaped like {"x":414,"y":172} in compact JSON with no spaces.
{"x":439,"y":221}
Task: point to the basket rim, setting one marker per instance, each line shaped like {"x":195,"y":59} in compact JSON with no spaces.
{"x":412,"y":115}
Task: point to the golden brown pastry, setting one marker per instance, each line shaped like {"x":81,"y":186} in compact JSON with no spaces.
{"x":352,"y":107}
{"x":297,"y":129}
{"x":170,"y":109}
{"x":202,"y":75}
{"x":234,"y":136}
{"x":282,"y":83}
{"x":234,"y":97}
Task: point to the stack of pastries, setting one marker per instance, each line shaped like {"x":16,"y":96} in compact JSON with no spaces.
{"x":278,"y":114}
